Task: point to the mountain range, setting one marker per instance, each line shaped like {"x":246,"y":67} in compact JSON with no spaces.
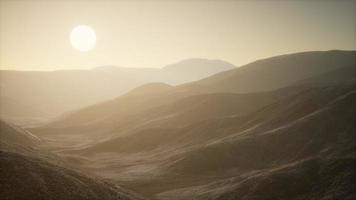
{"x":277,"y":128}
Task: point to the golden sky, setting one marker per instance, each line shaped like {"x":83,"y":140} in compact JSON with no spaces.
{"x":34,"y":34}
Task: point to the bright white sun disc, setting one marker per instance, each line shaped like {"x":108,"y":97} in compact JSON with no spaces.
{"x":83,"y":38}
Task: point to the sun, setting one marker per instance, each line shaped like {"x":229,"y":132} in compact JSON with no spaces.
{"x":83,"y":38}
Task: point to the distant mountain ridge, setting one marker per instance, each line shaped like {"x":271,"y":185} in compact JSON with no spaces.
{"x":49,"y":93}
{"x":244,"y":79}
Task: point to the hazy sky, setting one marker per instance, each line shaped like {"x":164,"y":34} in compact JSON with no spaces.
{"x":34,"y":35}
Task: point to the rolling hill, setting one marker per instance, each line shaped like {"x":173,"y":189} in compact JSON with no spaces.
{"x":281,"y":69}
{"x":284,"y":139}
{"x":316,"y":161}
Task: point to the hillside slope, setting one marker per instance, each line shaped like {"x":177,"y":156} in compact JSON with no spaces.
{"x":27,"y":173}
{"x":280,"y":71}
{"x":311,"y":157}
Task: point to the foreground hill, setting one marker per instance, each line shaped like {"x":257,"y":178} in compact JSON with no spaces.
{"x":313,"y":178}
{"x":308,"y":157}
{"x":45,"y":94}
{"x":297,"y":141}
{"x":27,"y":173}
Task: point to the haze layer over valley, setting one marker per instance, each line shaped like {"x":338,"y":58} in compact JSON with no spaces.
{"x":31,"y":96}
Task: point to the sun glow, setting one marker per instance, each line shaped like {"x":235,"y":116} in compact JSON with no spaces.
{"x":83,"y":38}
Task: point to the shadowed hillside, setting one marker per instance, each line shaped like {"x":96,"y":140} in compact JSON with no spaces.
{"x":316,"y":162}
{"x":27,"y":173}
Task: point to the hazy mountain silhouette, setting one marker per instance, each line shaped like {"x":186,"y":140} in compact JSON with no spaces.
{"x":28,"y":173}
{"x":290,"y":136}
{"x":192,"y":69}
{"x":52,"y":93}
{"x":280,"y":71}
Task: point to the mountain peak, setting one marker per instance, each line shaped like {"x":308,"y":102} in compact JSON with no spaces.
{"x":107,"y":67}
{"x":150,"y":88}
{"x":197,"y":64}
